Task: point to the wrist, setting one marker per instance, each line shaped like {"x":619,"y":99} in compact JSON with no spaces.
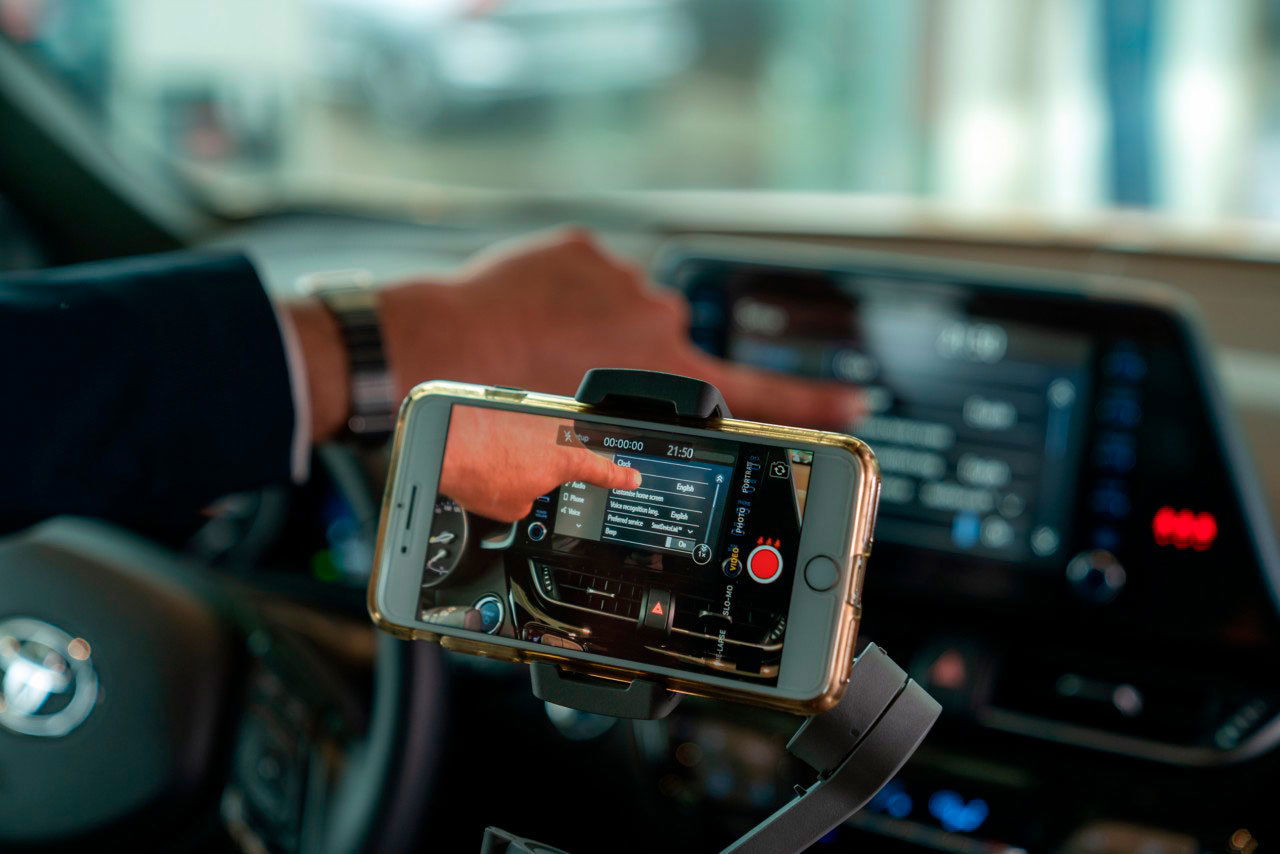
{"x":328,"y":375}
{"x":419,"y":323}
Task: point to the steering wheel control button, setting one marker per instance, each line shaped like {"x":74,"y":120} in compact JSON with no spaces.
{"x":537,"y":532}
{"x":1096,"y":575}
{"x":702,"y":553}
{"x":821,"y":573}
{"x":657,"y":610}
{"x":764,"y":564}
{"x":491,"y":613}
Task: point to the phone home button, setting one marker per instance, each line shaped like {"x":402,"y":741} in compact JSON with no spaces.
{"x":821,"y":573}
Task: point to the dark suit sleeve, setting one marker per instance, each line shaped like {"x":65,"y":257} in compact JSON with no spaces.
{"x":139,"y":391}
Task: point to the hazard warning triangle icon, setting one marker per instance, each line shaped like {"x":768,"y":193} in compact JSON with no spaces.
{"x":656,"y":610}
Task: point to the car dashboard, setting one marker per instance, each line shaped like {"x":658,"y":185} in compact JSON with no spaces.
{"x":1057,"y":468}
{"x":1071,"y":548}
{"x":1072,"y":555}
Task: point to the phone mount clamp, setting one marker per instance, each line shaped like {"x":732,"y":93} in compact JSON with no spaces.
{"x":856,"y":747}
{"x":663,"y":397}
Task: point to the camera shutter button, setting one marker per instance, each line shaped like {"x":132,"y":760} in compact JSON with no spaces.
{"x":764,"y":564}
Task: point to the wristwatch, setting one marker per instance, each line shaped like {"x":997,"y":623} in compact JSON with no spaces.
{"x":350,"y":297}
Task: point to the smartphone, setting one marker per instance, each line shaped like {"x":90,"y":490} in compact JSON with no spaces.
{"x":721,"y":559}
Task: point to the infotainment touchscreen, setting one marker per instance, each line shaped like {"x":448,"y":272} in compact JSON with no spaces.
{"x":694,"y":564}
{"x":678,"y":507}
{"x":974,"y":420}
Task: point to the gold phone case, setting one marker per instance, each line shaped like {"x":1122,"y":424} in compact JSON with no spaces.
{"x":840,"y":659}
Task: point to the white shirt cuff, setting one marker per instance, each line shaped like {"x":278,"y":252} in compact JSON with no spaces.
{"x":300,"y":447}
{"x":300,"y":456}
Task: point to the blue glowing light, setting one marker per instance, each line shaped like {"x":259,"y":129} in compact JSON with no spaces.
{"x":898,"y":805}
{"x":965,"y":528}
{"x":892,"y":800}
{"x":954,"y":814}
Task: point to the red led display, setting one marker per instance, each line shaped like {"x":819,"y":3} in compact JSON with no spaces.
{"x":1184,"y":529}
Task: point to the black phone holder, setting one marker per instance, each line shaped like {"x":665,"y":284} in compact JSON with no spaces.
{"x":643,"y":394}
{"x":856,"y":747}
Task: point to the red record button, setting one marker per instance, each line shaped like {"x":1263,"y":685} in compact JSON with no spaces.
{"x":764,"y":564}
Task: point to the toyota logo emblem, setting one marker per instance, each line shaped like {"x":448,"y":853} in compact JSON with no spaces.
{"x":48,"y":686}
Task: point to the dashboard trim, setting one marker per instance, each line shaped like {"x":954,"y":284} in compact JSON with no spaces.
{"x":1046,"y":729}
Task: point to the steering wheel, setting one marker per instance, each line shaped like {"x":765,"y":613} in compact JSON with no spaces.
{"x":142,"y":697}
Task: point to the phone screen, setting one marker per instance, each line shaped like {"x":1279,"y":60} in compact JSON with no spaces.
{"x":634,"y":543}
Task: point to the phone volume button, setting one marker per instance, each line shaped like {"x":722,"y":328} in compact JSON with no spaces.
{"x":859,"y":566}
{"x":507,"y":393}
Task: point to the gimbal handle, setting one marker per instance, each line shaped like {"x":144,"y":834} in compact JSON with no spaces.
{"x":856,"y":747}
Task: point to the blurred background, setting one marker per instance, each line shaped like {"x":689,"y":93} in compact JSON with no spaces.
{"x":1093,"y":140}
{"x":1056,"y":110}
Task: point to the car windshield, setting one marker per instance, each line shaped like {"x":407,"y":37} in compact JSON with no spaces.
{"x":1054,"y":110}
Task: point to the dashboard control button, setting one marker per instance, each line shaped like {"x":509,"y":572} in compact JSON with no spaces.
{"x":557,"y":640}
{"x":1096,"y":575}
{"x":764,"y":564}
{"x":1111,"y":499}
{"x":716,"y":618}
{"x":821,"y":573}
{"x":656,"y":612}
{"x":491,"y":613}
{"x":537,"y":531}
{"x":1125,"y":364}
{"x":545,"y":575}
{"x":957,"y":672}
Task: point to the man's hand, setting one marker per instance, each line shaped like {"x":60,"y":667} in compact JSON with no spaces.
{"x":496,"y":463}
{"x":537,"y":315}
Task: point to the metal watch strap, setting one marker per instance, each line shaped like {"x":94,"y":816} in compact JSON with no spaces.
{"x":351,"y":299}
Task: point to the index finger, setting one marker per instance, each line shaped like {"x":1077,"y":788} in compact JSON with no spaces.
{"x":588,"y":466}
{"x":761,"y":395}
